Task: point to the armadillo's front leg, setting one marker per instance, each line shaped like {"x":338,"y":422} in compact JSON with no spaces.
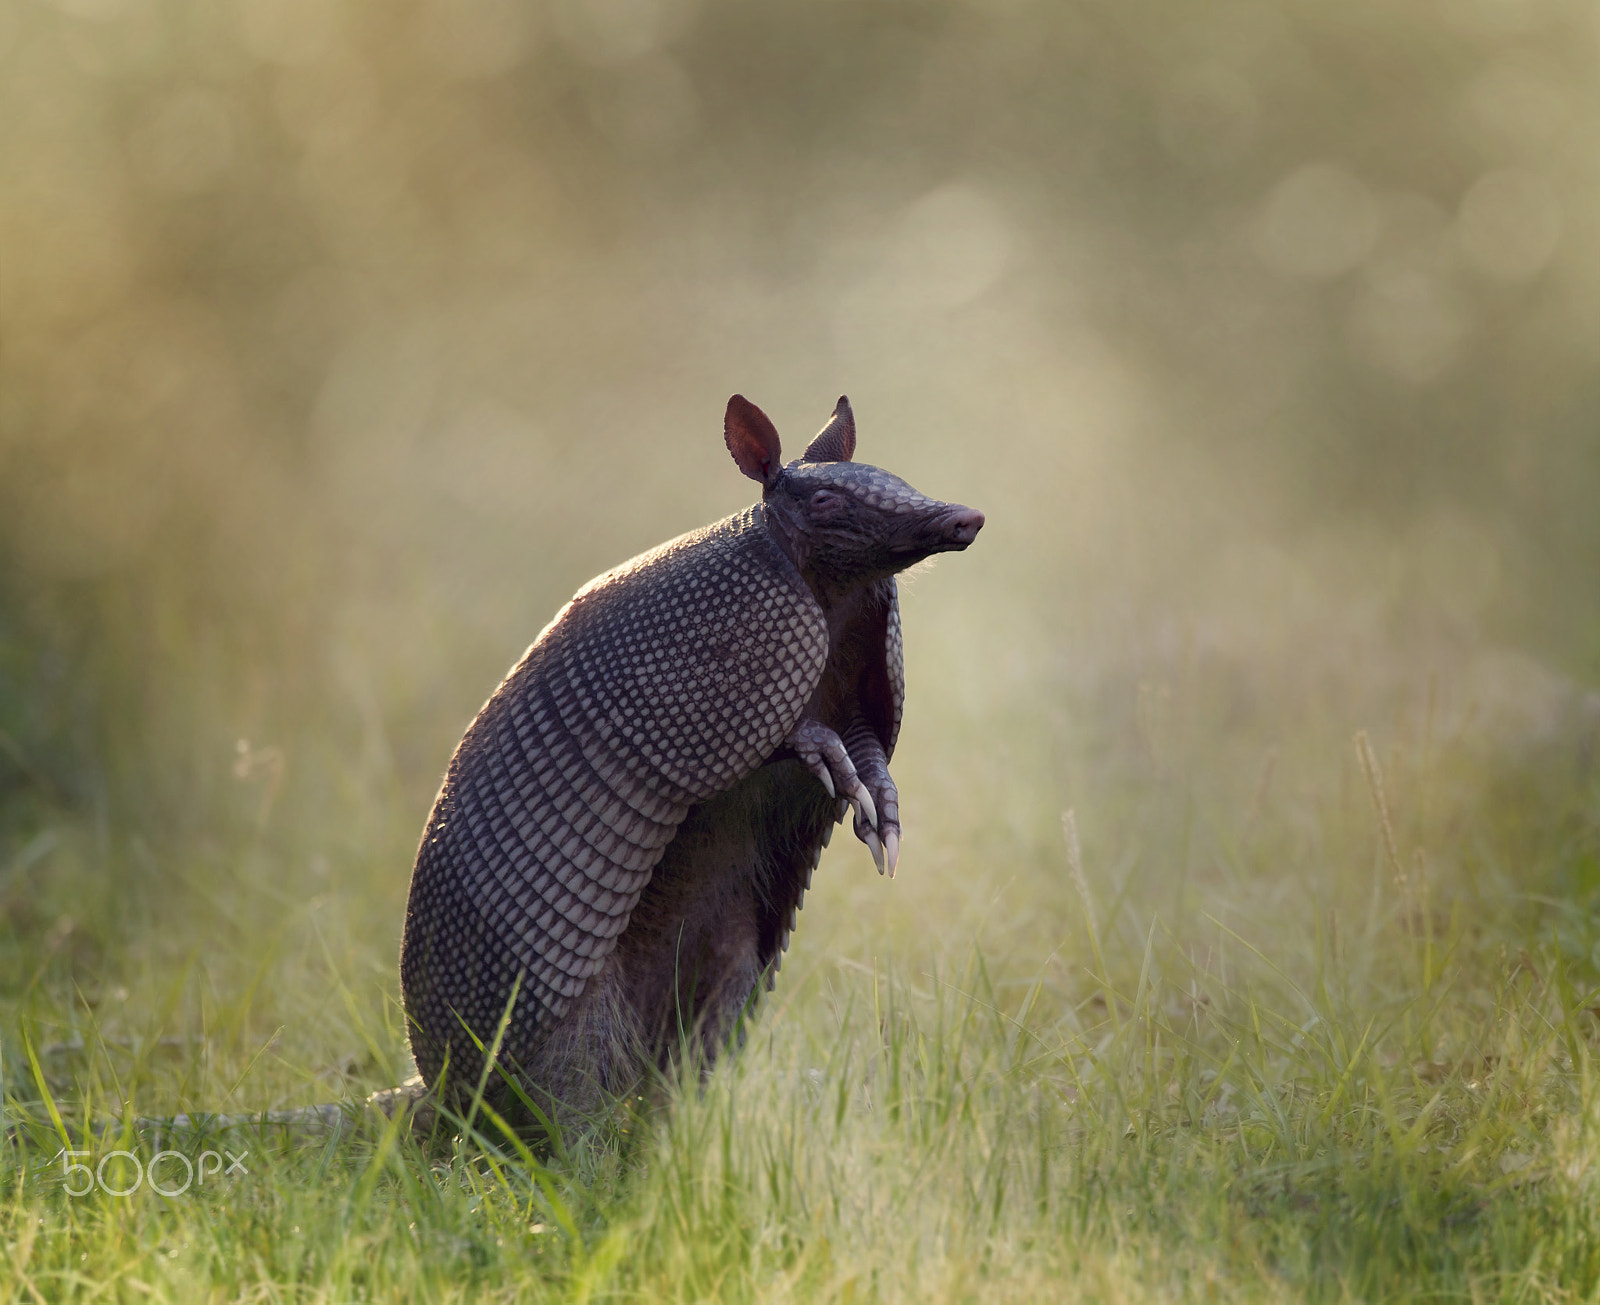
{"x":826,"y":756}
{"x":872,"y":767}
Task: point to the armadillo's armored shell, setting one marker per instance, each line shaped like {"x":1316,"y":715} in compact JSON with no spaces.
{"x":663,"y":683}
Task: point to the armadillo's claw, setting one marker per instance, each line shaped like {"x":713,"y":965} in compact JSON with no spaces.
{"x":868,"y":830}
{"x":875,"y":847}
{"x":872,"y":792}
{"x":867,"y":807}
{"x":823,"y":753}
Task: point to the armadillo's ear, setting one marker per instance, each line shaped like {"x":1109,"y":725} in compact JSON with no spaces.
{"x":753,"y":440}
{"x":835,"y":442}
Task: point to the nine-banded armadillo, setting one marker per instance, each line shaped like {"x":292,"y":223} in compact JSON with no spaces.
{"x":629,"y":824}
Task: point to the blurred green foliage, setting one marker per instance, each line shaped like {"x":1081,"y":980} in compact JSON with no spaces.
{"x":340,"y":341}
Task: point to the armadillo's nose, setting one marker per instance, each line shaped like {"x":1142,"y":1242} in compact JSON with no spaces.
{"x":963,"y":525}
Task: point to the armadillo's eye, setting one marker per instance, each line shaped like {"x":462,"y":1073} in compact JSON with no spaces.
{"x":826,"y":501}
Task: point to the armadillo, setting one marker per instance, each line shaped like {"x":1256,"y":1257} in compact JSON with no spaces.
{"x":613,"y":863}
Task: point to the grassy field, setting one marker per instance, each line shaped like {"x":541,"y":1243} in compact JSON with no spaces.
{"x":341,"y":341}
{"x":1318,"y":1028}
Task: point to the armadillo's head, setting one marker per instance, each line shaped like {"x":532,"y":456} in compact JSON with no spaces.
{"x":843,"y":520}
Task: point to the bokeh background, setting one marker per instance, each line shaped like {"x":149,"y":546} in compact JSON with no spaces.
{"x":341,"y":341}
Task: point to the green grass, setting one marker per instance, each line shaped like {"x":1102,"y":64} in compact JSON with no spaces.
{"x":1321,"y":1026}
{"x":339,"y":346}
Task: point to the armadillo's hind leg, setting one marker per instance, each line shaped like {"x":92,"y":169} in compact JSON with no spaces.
{"x":882,"y":836}
{"x":825,"y":756}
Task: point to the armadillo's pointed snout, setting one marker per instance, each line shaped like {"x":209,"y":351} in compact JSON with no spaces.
{"x":962,"y":526}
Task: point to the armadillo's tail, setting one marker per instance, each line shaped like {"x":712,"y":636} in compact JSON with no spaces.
{"x":330,"y":1121}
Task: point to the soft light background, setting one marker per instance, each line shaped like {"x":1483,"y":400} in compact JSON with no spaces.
{"x":340,"y":342}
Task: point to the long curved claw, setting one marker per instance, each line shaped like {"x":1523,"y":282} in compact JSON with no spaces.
{"x":875,"y":847}
{"x":867,"y":808}
{"x":867,"y":828}
{"x":867,"y":787}
{"x":821,"y":772}
{"x":823,"y":754}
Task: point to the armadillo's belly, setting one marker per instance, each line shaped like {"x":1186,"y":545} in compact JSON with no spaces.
{"x":716,"y":915}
